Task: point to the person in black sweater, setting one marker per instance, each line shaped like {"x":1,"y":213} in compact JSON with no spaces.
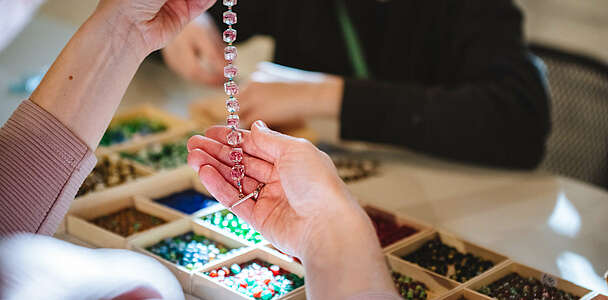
{"x":448,"y":78}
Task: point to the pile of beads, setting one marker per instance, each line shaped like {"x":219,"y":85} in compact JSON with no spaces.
{"x":513,"y":286}
{"x":161,"y":156}
{"x":188,"y":201}
{"x":228,"y":222}
{"x":387,"y":228}
{"x":110,"y":171}
{"x":408,"y":288}
{"x":129,"y":129}
{"x":447,"y":261}
{"x":127,"y":222}
{"x":257,"y":279}
{"x":234,"y":137}
{"x":190,"y":250}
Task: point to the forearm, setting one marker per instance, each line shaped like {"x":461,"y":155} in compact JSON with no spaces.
{"x":84,"y":86}
{"x":345,"y":260}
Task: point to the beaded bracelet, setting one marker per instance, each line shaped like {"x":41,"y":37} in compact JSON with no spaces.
{"x":234,"y":137}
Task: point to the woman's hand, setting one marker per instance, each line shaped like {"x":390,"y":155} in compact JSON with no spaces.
{"x":148,"y":25}
{"x":294,"y":194}
{"x":196,"y":53}
{"x":304,"y":209}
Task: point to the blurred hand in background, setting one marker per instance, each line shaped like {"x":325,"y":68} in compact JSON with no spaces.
{"x":196,"y":54}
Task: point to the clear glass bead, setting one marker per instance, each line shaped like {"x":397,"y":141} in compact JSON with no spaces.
{"x":233,"y":121}
{"x":236,"y":155}
{"x":232,"y":105}
{"x":234,"y":138}
{"x":237,"y":172}
{"x":230,"y":53}
{"x":230,"y":2}
{"x":230,"y":71}
{"x":229,"y":35}
{"x":231,"y":88}
{"x":229,"y":18}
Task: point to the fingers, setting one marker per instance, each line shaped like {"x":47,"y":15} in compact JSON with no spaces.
{"x":188,"y":56}
{"x":261,"y":142}
{"x":225,"y":193}
{"x":256,"y":168}
{"x":181,"y":58}
{"x":198,"y":158}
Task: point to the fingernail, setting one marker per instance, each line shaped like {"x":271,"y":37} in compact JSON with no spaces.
{"x":260,"y":124}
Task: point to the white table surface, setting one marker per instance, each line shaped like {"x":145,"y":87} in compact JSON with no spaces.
{"x":555,"y":224}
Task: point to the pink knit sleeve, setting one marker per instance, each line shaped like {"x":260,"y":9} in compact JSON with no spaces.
{"x":42,"y":166}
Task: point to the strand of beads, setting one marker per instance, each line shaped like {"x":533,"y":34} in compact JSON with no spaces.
{"x":234,"y":137}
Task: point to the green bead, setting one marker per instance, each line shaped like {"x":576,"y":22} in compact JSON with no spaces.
{"x":266,"y":295}
{"x":235,"y":268}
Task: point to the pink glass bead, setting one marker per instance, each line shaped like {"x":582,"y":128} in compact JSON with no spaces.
{"x":233,"y":121}
{"x":229,"y":35}
{"x":232,"y":105}
{"x":238,"y":172}
{"x":234,"y":138}
{"x":230,"y":53}
{"x":236,"y":155}
{"x":230,"y":2}
{"x":229,"y":18}
{"x":230,"y":71}
{"x":231,"y":88}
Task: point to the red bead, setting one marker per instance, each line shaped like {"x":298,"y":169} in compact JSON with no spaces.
{"x":237,"y":172}
{"x":230,"y":71}
{"x":232,"y":105}
{"x":266,"y":281}
{"x":243,"y":285}
{"x":257,"y":294}
{"x":213,"y":273}
{"x":230,"y":53}
{"x":231,"y":88}
{"x":233,"y":121}
{"x":229,"y":35}
{"x":229,"y":18}
{"x":236,"y":155}
{"x":275,"y":270}
{"x":234,"y":137}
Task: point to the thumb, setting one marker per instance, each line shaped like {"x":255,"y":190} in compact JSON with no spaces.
{"x":271,"y":143}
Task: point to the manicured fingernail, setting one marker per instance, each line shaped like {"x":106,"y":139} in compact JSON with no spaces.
{"x":260,"y":124}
